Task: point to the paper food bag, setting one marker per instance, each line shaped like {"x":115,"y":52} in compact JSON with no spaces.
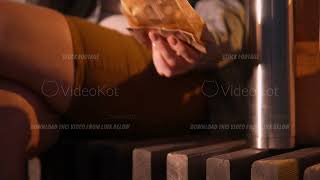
{"x":167,"y":17}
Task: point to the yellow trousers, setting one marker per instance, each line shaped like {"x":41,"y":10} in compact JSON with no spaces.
{"x":134,"y":93}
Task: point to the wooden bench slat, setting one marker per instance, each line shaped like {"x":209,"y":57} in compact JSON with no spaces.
{"x":110,"y":159}
{"x":34,"y":169}
{"x":149,"y":163}
{"x":190,"y":164}
{"x":235,"y":165}
{"x":312,"y":173}
{"x":285,"y":166}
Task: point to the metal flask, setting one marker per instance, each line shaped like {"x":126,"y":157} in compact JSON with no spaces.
{"x":272,"y":106}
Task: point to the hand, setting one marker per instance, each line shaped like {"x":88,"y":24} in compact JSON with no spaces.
{"x":171,"y":56}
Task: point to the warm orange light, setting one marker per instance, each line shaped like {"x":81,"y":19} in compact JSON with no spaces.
{"x":259,"y":110}
{"x":259,"y":11}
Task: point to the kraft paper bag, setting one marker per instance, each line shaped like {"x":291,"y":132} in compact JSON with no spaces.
{"x":166,"y":17}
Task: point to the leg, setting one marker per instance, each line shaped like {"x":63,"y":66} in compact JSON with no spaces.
{"x":33,"y":43}
{"x":136,"y":94}
{"x":20,"y":112}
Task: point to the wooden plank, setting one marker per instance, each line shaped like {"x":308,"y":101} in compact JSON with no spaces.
{"x":285,"y":166}
{"x":109,"y":159}
{"x":190,"y":164}
{"x":112,"y":159}
{"x":312,"y":173}
{"x":235,"y":165}
{"x":149,"y":163}
{"x":34,"y":169}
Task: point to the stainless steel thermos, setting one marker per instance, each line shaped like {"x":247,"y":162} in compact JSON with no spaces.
{"x":272,"y":107}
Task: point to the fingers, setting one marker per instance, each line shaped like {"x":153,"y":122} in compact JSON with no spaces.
{"x":165,"y":58}
{"x":177,"y":66}
{"x":166,"y":52}
{"x":161,"y":66}
{"x":182,"y":49}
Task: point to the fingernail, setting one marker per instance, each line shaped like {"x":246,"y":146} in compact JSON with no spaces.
{"x":173,"y":40}
{"x":153,"y":37}
{"x":153,"y":44}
